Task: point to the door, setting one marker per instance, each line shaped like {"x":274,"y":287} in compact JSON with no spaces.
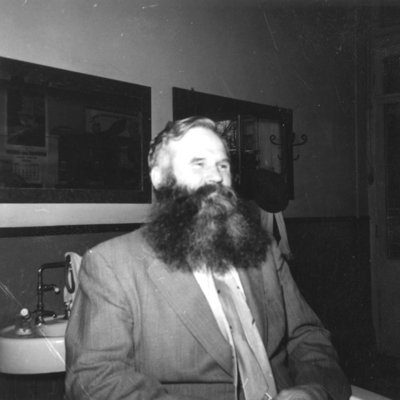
{"x":384,"y":195}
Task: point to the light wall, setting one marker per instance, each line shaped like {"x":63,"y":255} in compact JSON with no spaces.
{"x":289,"y":55}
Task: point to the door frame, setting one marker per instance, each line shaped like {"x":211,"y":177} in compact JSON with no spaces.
{"x":384,"y":271}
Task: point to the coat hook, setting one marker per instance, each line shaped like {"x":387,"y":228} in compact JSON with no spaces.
{"x":272,"y":139}
{"x":303,"y":138}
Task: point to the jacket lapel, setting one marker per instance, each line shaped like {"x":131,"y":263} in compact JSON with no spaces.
{"x":181,"y":291}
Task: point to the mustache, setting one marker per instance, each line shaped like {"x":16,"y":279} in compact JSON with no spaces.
{"x":215,"y":195}
{"x":180,"y":193}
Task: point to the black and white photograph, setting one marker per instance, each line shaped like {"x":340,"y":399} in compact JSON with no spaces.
{"x":200,"y":200}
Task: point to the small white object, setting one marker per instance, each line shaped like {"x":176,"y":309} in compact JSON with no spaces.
{"x":23,"y":323}
{"x":24,"y":313}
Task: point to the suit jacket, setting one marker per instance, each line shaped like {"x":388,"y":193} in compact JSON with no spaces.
{"x":139,"y":330}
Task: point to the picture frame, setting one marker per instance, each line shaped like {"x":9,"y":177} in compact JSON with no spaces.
{"x":49,"y":152}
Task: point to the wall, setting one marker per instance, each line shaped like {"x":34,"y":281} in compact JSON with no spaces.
{"x":336,"y":282}
{"x":293,"y":56}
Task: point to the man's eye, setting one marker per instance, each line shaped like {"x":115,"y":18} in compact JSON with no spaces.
{"x":199,"y":164}
{"x":224,"y":166}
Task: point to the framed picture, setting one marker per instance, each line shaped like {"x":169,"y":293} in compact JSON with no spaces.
{"x":70,"y":137}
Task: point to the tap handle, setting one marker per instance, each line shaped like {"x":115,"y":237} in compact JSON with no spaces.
{"x":51,"y":286}
{"x":40,"y":318}
{"x":48,"y":313}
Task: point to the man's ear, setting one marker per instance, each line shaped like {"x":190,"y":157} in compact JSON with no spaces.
{"x":156,"y":177}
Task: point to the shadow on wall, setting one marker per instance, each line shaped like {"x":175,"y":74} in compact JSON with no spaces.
{"x":332,"y":269}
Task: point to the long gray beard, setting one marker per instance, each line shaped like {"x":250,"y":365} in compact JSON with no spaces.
{"x":209,"y":226}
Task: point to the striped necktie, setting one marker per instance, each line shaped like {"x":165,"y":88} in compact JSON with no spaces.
{"x":253,"y":363}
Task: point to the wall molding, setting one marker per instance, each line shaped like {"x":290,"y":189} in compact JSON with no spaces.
{"x":66,"y":230}
{"x":102,"y":228}
{"x":302,"y":220}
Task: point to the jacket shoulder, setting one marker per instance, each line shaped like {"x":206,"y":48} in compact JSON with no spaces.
{"x":133,"y":242}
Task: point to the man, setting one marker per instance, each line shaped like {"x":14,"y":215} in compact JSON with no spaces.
{"x":152,"y":318}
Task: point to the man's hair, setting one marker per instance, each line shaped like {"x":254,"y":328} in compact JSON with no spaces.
{"x":173,"y":131}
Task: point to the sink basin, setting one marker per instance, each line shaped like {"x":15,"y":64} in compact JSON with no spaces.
{"x":41,"y":352}
{"x":53,"y":328}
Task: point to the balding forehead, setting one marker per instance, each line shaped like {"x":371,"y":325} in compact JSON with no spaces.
{"x":196,"y":140}
{"x":199,"y":138}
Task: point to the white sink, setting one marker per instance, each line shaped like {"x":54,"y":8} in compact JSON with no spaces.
{"x":41,"y":352}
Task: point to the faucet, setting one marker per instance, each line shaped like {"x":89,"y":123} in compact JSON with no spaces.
{"x":41,"y":288}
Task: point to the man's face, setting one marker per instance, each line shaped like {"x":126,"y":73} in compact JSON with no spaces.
{"x":197,"y":219}
{"x":198,"y":158}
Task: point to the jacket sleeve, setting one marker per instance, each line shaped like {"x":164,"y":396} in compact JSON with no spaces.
{"x":312,"y":357}
{"x":99,"y":340}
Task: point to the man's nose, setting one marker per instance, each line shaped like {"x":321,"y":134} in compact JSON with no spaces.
{"x":214,"y":175}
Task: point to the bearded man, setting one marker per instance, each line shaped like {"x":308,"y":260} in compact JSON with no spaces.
{"x":198,"y":303}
